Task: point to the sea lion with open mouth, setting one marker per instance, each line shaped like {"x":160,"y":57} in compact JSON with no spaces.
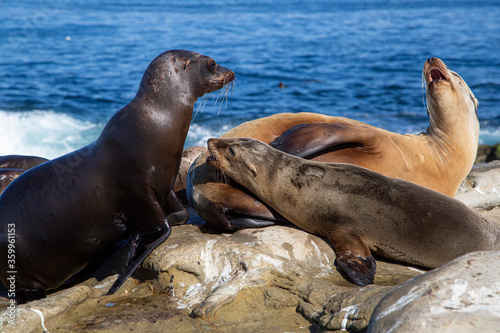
{"x":439,"y":159}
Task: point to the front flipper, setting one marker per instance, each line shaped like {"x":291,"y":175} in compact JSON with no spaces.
{"x":25,"y":295}
{"x":242,"y":222}
{"x":353,"y":256}
{"x":141,"y":246}
{"x":177,"y":213}
{"x":360,"y":270}
{"x":226,"y":217}
{"x":310,"y":139}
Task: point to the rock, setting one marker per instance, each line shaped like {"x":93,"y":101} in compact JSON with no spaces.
{"x":481,"y":189}
{"x":461,"y":296}
{"x":270,"y":279}
{"x":336,"y":308}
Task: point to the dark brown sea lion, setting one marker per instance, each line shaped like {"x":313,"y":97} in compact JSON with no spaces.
{"x":358,"y":210}
{"x":439,"y":159}
{"x":68,"y":210}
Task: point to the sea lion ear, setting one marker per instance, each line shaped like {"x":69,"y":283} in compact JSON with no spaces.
{"x":187,"y":63}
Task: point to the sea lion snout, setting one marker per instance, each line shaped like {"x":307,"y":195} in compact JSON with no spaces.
{"x":214,"y":158}
{"x":221,"y":75}
{"x":435,"y":70}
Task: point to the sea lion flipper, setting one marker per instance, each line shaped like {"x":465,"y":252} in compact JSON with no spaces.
{"x":228,"y":217}
{"x":141,"y":247}
{"x":25,"y":295}
{"x":239,"y":209}
{"x":354,"y":257}
{"x":177,"y":213}
{"x":309,"y":139}
{"x":245,"y":223}
{"x":360,"y":270}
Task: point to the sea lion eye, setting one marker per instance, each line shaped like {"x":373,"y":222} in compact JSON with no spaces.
{"x":231,"y":152}
{"x":212,"y":65}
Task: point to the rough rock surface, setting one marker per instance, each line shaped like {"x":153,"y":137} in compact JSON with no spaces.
{"x":271,"y":279}
{"x":461,"y":296}
{"x":481,"y":188}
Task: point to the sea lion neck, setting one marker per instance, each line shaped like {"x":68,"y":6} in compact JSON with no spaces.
{"x":173,"y":90}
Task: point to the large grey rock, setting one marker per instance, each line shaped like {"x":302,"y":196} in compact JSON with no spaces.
{"x":336,"y":308}
{"x":481,"y":188}
{"x":461,"y":296}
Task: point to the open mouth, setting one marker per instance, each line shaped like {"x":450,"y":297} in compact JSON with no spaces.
{"x":435,"y":75}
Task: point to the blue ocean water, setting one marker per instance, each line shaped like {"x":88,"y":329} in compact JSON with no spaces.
{"x":67,"y":66}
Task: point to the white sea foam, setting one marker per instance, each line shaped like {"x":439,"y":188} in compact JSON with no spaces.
{"x":489,"y":136}
{"x":199,"y":134}
{"x":44,"y":133}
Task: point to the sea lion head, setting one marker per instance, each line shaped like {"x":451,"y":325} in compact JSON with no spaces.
{"x":239,"y":158}
{"x":183,"y":75}
{"x":449,"y":99}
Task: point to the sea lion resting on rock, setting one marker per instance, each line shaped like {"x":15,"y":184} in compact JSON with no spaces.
{"x":358,"y":210}
{"x":439,"y":159}
{"x":70,"y":209}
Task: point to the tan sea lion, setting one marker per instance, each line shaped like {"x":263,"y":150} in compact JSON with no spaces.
{"x":358,"y":210}
{"x":439,"y":159}
{"x":69,"y":210}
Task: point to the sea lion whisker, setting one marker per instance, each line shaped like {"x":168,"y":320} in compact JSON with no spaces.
{"x":424,"y":90}
{"x":201,"y":105}
{"x":198,"y":108}
{"x":223,"y":98}
{"x":227,"y":91}
{"x":221,"y":102}
{"x":220,"y":175}
{"x":205,"y":100}
{"x":217,"y":98}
